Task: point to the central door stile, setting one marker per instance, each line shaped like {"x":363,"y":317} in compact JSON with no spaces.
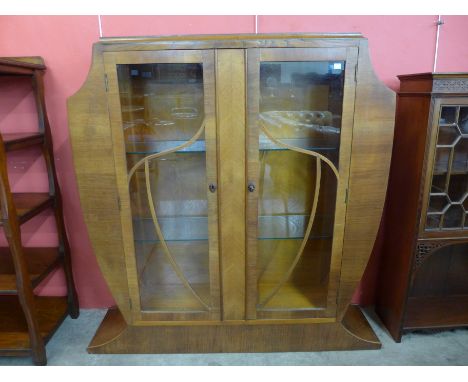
{"x":230,"y":112}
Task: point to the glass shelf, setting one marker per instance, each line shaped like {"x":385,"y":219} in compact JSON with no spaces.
{"x":153,"y":147}
{"x":181,"y":228}
{"x":303,"y":143}
{"x":194,"y":228}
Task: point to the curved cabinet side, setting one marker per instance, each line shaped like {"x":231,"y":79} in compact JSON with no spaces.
{"x":93,"y":158}
{"x":372,"y":143}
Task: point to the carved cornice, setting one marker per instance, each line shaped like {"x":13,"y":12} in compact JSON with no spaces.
{"x":450,"y":85}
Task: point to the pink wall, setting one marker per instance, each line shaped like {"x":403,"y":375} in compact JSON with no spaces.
{"x":398,"y":44}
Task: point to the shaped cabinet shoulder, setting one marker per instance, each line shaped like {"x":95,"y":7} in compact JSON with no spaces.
{"x":374,"y":118}
{"x":92,"y":148}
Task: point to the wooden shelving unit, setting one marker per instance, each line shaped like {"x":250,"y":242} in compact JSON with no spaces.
{"x":28,"y":321}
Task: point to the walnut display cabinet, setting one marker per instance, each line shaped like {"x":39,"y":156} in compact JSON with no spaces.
{"x":424,"y":269}
{"x":232,"y":187}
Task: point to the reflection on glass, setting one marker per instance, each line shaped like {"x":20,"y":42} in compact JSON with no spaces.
{"x":300,"y":124}
{"x":463,"y":119}
{"x":448,"y":204}
{"x":162,"y":114}
{"x":448,"y":115}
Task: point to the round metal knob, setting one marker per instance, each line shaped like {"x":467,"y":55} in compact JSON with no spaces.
{"x":251,"y":187}
{"x":212,"y":187}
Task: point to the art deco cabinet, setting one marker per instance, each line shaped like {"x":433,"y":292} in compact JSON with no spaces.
{"x":424,"y":273}
{"x":232,"y":187}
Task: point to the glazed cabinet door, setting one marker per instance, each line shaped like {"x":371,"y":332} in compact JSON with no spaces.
{"x":445,"y":197}
{"x":161,"y":106}
{"x":300,"y":119}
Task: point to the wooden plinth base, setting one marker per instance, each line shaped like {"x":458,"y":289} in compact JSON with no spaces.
{"x":114,"y":336}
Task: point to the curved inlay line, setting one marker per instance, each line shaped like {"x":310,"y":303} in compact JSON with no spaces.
{"x":166,"y":250}
{"x":168,"y":151}
{"x":300,"y":150}
{"x":286,"y":276}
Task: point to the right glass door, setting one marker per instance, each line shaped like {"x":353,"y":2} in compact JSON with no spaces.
{"x":300,"y":123}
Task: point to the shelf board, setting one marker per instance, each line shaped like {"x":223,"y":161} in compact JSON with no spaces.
{"x":153,"y":147}
{"x":173,"y":298}
{"x":455,"y":171}
{"x":145,"y":147}
{"x":14,"y":336}
{"x":436,"y":312}
{"x":29,"y":204}
{"x":20,"y":66}
{"x":294,"y":297}
{"x":303,"y":143}
{"x":17,"y":141}
{"x":194,"y":228}
{"x":40,"y":262}
{"x":458,"y":168}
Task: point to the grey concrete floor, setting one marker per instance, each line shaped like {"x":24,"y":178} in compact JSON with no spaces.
{"x":68,"y":347}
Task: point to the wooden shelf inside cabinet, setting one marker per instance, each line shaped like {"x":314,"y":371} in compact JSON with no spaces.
{"x":25,"y":328}
{"x":14,"y":336}
{"x":40,"y":262}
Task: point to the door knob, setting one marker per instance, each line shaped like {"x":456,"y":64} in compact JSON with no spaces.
{"x":251,"y":187}
{"x":212,"y":187}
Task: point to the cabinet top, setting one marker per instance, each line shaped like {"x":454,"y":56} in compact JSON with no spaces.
{"x":230,"y":41}
{"x":450,"y":83}
{"x":432,"y":75}
{"x":224,"y":37}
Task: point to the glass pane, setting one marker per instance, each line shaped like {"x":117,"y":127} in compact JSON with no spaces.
{"x":448,"y":114}
{"x":453,"y":217}
{"x":300,"y":124}
{"x":441,"y":160}
{"x":448,"y":135}
{"x":163,"y":108}
{"x":460,"y":157}
{"x":438,"y":203}
{"x":438,"y":183}
{"x":457,"y":187}
{"x":433,"y":221}
{"x":463,"y":119}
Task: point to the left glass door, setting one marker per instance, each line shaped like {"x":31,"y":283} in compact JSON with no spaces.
{"x":161,"y":106}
